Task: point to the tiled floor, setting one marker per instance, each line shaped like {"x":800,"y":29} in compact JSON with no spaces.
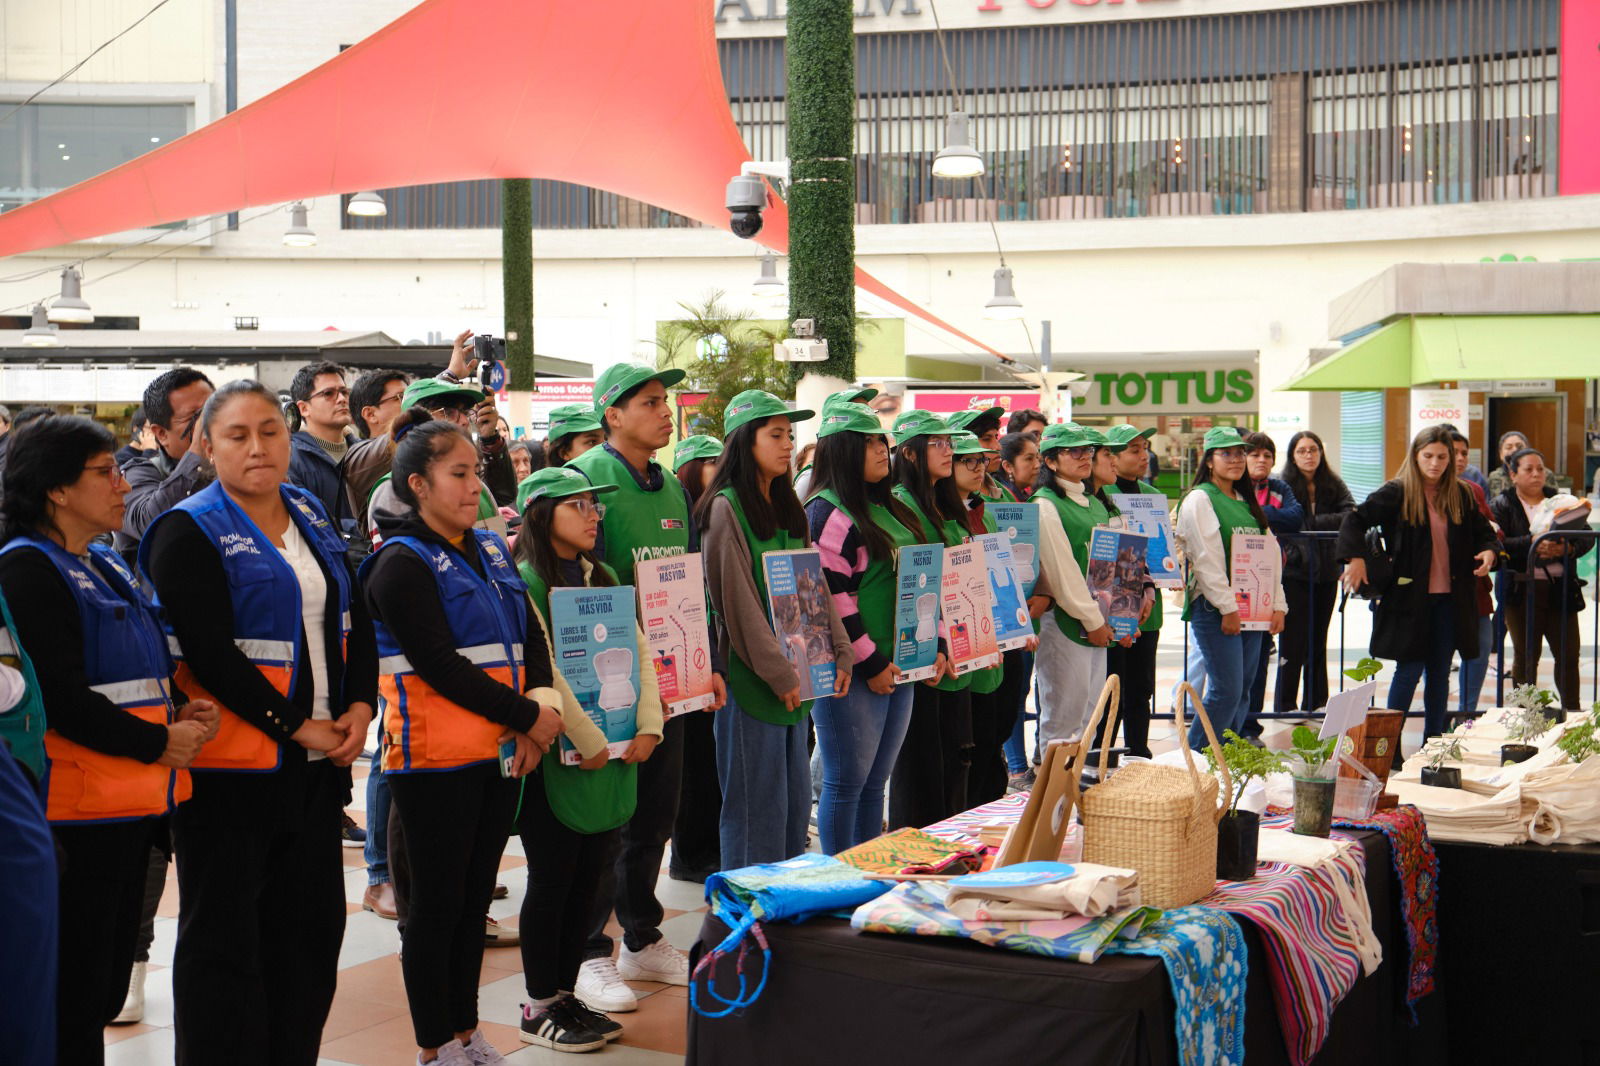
{"x":369,"y":1025}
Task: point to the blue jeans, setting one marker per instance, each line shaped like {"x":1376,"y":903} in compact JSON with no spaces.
{"x":1015,"y":747}
{"x":376,"y":850}
{"x":1439,"y":619}
{"x":858,"y":738}
{"x":1473,"y":671}
{"x":1230,"y":663}
{"x":766,"y":788}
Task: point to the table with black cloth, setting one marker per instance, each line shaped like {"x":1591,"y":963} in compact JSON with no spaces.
{"x":1522,"y":922}
{"x":844,"y":997}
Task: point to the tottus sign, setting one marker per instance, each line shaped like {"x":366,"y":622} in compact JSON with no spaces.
{"x":1169,"y":390}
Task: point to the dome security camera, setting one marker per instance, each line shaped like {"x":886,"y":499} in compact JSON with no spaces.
{"x":746,"y":197}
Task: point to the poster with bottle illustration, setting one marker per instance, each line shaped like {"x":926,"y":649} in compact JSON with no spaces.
{"x":916,"y":611}
{"x":672,"y":608}
{"x":1116,"y":576}
{"x":1020,"y":521}
{"x":967,"y":607}
{"x":797,"y":605}
{"x":596,"y":646}
{"x":1012,"y":624}
{"x":1257,"y":564}
{"x":1149,"y":513}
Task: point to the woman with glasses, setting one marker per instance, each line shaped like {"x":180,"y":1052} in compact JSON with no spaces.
{"x":256,"y":591}
{"x":465,"y":669}
{"x":1310,"y":574}
{"x":1218,"y":506}
{"x":117,"y":741}
{"x":750,"y":510}
{"x":572,"y":818}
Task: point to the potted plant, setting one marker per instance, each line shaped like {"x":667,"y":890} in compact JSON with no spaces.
{"x":1238,"y":833}
{"x":1580,"y":740}
{"x":1312,"y":764}
{"x":1437,"y":751}
{"x":1524,"y":720}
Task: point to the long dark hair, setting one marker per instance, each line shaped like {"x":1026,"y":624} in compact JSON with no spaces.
{"x":44,"y":455}
{"x":940,"y":501}
{"x":692,"y":476}
{"x":837,"y":465}
{"x":1328,"y":486}
{"x":1248,"y":494}
{"x":534,"y":548}
{"x":420,"y":441}
{"x":737,"y":470}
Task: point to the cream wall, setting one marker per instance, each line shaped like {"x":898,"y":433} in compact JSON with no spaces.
{"x":41,"y":38}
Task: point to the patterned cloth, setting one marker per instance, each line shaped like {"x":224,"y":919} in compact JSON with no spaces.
{"x":963,"y":828}
{"x":913,"y":851}
{"x":1208,"y":966}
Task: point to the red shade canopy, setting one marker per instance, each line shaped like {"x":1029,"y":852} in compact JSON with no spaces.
{"x":627,"y":98}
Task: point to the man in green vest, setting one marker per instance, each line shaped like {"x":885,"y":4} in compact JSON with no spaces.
{"x":646,"y":518}
{"x":1135,"y":665}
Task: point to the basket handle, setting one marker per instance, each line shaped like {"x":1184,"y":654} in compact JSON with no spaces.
{"x":1110,"y":700}
{"x":1186,"y":691}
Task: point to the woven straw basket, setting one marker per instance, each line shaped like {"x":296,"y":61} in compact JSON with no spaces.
{"x":1158,"y":820}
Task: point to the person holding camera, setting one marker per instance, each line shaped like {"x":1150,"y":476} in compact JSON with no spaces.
{"x":466,"y":682}
{"x":118,"y":744}
{"x":255,"y":592}
{"x":1437,"y":542}
{"x":176,"y":468}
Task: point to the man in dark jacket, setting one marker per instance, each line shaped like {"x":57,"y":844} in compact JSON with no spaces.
{"x":317,"y":447}
{"x":1557,"y":589}
{"x":176,"y":469}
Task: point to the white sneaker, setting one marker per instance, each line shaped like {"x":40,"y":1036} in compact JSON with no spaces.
{"x":451,"y":1054}
{"x":657,"y":962}
{"x":133,"y":1006}
{"x":480,"y":1052}
{"x":601,"y":987}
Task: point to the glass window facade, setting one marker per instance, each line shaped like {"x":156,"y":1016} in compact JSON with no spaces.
{"x":47,"y":147}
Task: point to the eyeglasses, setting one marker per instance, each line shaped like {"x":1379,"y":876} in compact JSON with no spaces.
{"x":1082,"y":451}
{"x":392,"y":398}
{"x":450,"y":413}
{"x":1232,"y":455}
{"x":973,"y":462}
{"x":111,"y":472}
{"x":941,"y":444}
{"x":585,"y":507}
{"x":341,"y":392}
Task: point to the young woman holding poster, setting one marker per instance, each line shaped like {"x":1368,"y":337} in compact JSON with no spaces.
{"x":749,"y":510}
{"x":571,"y":817}
{"x":1212,"y":512}
{"x":1117,"y":469}
{"x":859,"y":527}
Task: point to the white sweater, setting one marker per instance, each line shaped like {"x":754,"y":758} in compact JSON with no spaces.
{"x":1199,"y":536}
{"x":1060,"y":566}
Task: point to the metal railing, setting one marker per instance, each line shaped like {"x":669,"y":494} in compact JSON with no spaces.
{"x":1530,"y":615}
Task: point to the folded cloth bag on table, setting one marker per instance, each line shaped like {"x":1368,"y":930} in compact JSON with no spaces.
{"x":793,"y":890}
{"x":1039,"y":891}
{"x":1568,"y":803}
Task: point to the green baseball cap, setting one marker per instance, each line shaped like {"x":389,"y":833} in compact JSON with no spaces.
{"x":965,"y":443}
{"x":697,"y":447}
{"x":909,"y":425}
{"x":572,"y":418}
{"x":752,"y":404}
{"x":1069,"y":435}
{"x":552,"y":482}
{"x":1120,"y":437}
{"x":963,"y":419}
{"x":1223,"y":437}
{"x":848,"y":396}
{"x":620,"y":377}
{"x":849,"y":418}
{"x":433,"y":393}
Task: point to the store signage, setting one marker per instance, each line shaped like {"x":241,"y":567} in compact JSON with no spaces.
{"x":949,"y":401}
{"x":1174,"y":390}
{"x":550,"y":393}
{"x":1434,"y":407}
{"x":1526,"y":386}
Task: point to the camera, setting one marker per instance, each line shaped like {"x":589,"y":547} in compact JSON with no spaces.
{"x":487,"y":350}
{"x":746,"y":197}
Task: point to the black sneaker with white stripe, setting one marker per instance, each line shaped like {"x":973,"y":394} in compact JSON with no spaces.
{"x":598,"y":1023}
{"x":558,"y":1027}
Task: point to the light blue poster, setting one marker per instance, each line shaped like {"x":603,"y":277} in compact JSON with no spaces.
{"x":916,"y":610}
{"x":797,"y":604}
{"x":1149,"y":513}
{"x":1012,"y":626}
{"x":1020,"y":521}
{"x":596,"y":649}
{"x":1116,"y":577}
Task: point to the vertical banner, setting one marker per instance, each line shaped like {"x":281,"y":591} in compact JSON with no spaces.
{"x":1148,"y":513}
{"x":596,"y":649}
{"x":1434,"y":407}
{"x":1020,"y":522}
{"x":968,"y":609}
{"x":916,"y":610}
{"x":1012,"y":626}
{"x":797,"y":604}
{"x":1257,"y":565}
{"x":1116,"y":577}
{"x":672,"y":606}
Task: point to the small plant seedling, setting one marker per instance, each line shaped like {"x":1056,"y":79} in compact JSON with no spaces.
{"x":1245,"y":763}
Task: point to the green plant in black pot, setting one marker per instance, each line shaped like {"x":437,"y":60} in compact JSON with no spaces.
{"x":1524,"y":720}
{"x":1438,"y":751}
{"x":1312,"y":763}
{"x":1238,"y":833}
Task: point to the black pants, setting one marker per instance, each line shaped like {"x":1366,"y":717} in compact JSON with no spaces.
{"x":1553,"y":624}
{"x":929,"y":782}
{"x":260,"y":920}
{"x":629,"y":883}
{"x":455,"y":824}
{"x":564,"y":874}
{"x":993,"y":716}
{"x":155,"y":883}
{"x":102,"y":887}
{"x":1303,"y":644}
{"x":695,"y":847}
{"x":399,"y":867}
{"x":1136,"y":666}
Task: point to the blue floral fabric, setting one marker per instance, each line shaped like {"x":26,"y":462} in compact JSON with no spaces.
{"x":1205,"y":957}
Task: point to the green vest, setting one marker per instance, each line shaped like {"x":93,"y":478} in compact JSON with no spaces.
{"x":951,"y":534}
{"x":753,"y":695}
{"x":1079,"y":523}
{"x":639,"y":523}
{"x":585,"y":801}
{"x":1233,"y":516}
{"x":22,"y":727}
{"x":1154,"y":621}
{"x":879,"y":589}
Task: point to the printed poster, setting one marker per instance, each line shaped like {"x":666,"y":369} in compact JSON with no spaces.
{"x":672,"y":606}
{"x":1149,"y":513}
{"x":968,"y":609}
{"x":1020,"y":521}
{"x":797,"y":604}
{"x":1257,"y":564}
{"x":596,"y":650}
{"x":916,"y":611}
{"x":1116,"y":577}
{"x":1012,"y":624}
